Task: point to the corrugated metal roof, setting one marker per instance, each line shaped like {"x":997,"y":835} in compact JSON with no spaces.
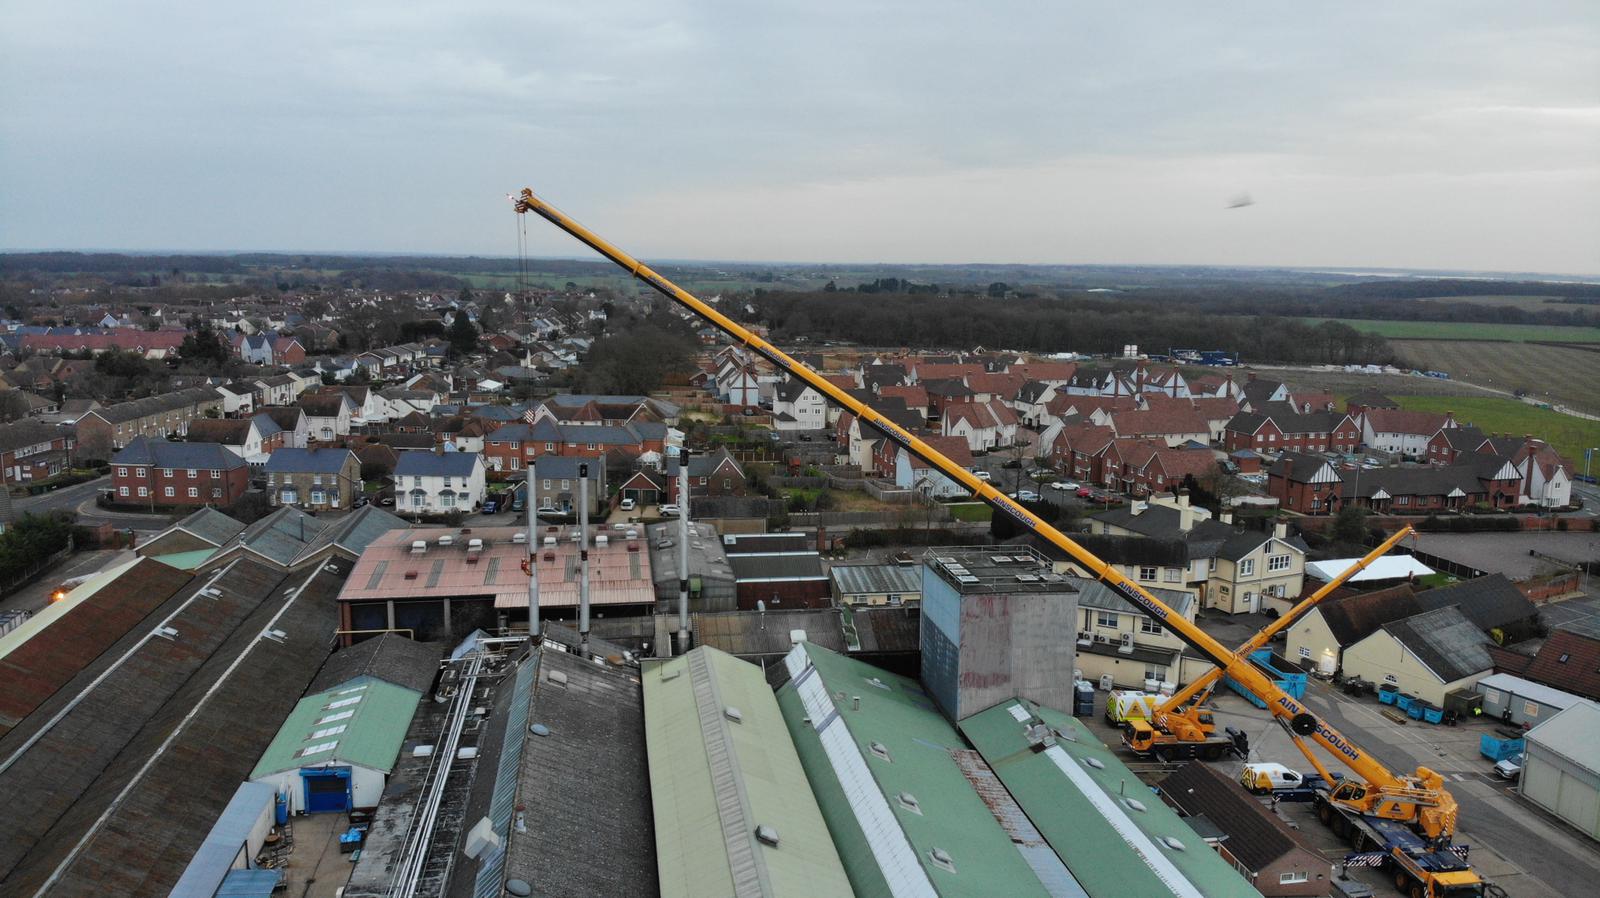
{"x":1076,"y":792}
{"x":715,"y":780}
{"x":1528,"y":689}
{"x":859,"y":790}
{"x":211,"y":864}
{"x":864,"y":579}
{"x":318,"y":730}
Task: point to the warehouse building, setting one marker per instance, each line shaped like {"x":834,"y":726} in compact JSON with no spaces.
{"x":335,"y":750}
{"x":876,"y":584}
{"x":1562,"y":770}
{"x":711,"y":586}
{"x":734,"y":814}
{"x":1425,"y":655}
{"x":776,"y":580}
{"x":995,"y":627}
{"x":1522,"y":702}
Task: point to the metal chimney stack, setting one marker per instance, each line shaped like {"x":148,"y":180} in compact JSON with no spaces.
{"x":533,"y":562}
{"x":683,"y":550}
{"x":583,"y":560}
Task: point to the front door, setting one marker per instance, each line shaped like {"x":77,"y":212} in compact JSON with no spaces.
{"x":327,"y":789}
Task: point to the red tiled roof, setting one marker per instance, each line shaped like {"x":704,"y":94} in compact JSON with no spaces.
{"x":1578,"y":674}
{"x":1161,"y":420}
{"x":1048,"y":371}
{"x":915,"y":396}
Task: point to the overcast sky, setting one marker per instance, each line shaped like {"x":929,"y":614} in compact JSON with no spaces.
{"x":1456,"y":134}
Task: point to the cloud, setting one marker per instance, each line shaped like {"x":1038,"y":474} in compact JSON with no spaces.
{"x":882,"y":130}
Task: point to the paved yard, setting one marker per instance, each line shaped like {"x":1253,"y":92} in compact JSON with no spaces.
{"x":1507,"y":553}
{"x":1580,"y":614}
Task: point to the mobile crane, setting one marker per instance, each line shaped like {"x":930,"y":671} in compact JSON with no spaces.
{"x":1181,"y":727}
{"x":1411,"y":816}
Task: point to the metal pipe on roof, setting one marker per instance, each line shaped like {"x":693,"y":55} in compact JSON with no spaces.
{"x":533,"y":560}
{"x":583,"y":560}
{"x":683,"y":550}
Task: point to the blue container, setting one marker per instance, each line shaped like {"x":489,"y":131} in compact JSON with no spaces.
{"x":282,"y":811}
{"x":1432,"y":714}
{"x":1404,"y":700}
{"x":1414,"y":710}
{"x":1496,"y":749}
{"x":1386,"y":694}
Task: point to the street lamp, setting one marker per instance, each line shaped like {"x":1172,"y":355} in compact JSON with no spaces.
{"x":1588,"y":454}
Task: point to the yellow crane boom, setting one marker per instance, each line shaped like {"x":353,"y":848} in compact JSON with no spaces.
{"x":1419,"y":797}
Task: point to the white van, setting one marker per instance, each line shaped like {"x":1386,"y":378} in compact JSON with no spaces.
{"x":1263,"y":778}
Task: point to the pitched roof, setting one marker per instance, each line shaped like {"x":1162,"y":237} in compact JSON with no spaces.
{"x":1396,"y":420}
{"x":142,"y":450}
{"x":210,"y":525}
{"x":1490,"y":601}
{"x":437,"y":464}
{"x":389,"y":657}
{"x":1446,"y":641}
{"x":379,"y":713}
{"x":1356,"y":616}
{"x":18,"y":434}
{"x":1569,"y":661}
{"x":1255,"y":836}
{"x":315,"y":460}
{"x":134,"y":409}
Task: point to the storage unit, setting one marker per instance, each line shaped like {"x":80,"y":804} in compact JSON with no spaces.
{"x":1283,"y":673}
{"x":336,"y":749}
{"x":1520,"y":702}
{"x":232,"y":845}
{"x":1561,"y":772}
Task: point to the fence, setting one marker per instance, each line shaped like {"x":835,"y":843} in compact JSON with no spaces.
{"x":1539,"y":589}
{"x":35,"y":570}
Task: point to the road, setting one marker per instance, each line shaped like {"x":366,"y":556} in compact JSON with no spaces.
{"x":36,"y":595}
{"x":79,"y":499}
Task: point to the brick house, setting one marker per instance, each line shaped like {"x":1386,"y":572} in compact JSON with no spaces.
{"x":1307,"y":484}
{"x":313,"y":479}
{"x":106,"y":429}
{"x":555,"y":480}
{"x":245,"y":437}
{"x":1279,"y":427}
{"x":33,"y":451}
{"x":710,"y":474}
{"x":159,"y":473}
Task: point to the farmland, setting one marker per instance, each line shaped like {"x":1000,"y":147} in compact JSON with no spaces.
{"x":1469,"y":330}
{"x":1568,"y":435}
{"x":1526,"y":303}
{"x":1567,"y":375}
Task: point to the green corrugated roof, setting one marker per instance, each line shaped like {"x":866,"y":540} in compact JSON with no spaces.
{"x":372,"y":734}
{"x":713,"y":781}
{"x":1104,"y":861}
{"x":901,"y":717}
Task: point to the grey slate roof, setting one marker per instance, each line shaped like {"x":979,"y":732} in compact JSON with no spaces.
{"x":162,"y":454}
{"x":308,"y":461}
{"x":27,"y":433}
{"x":153,"y":405}
{"x":436,"y":464}
{"x":210,"y":525}
{"x":1489,"y":602}
{"x":858,"y":579}
{"x":1446,"y":641}
{"x":1094,"y":594}
{"x":781,"y":566}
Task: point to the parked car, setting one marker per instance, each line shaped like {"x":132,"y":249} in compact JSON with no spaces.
{"x":1510,"y":768}
{"x":386,"y":501}
{"x":1065,"y":486}
{"x":491,"y":505}
{"x":669,"y":510}
{"x":1025,"y":496}
{"x":358,"y":502}
{"x":981,"y":475}
{"x":1085,"y":493}
{"x":627,"y":505}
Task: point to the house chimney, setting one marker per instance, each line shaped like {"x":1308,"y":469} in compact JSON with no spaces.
{"x":1280,"y":529}
{"x":1136,"y":508}
{"x":1226,"y":517}
{"x":1185,"y":512}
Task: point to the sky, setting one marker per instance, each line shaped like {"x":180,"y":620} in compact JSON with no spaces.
{"x":1455,"y":135}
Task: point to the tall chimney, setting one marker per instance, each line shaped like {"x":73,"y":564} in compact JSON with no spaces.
{"x":533,"y":561}
{"x":683,"y":550}
{"x":583,"y":561}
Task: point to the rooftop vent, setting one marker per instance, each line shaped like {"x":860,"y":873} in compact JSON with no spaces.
{"x":601,"y":540}
{"x":942,"y":859}
{"x":910,"y":803}
{"x":549,"y":540}
{"x":550,"y":556}
{"x":767,"y":835}
{"x":558,"y":677}
{"x":275,"y":635}
{"x":733,"y":714}
{"x":539,"y":729}
{"x":411,"y":575}
{"x":1096,"y":763}
{"x":1135,"y":804}
{"x":1173,"y":843}
{"x":211,"y":591}
{"x":519,"y":537}
{"x":668,"y":675}
{"x":1027,"y":578}
{"x":881,"y":750}
{"x":474,"y":545}
{"x":419,"y":546}
{"x":167,"y":633}
{"x":447,"y":540}
{"x":797,"y":636}
{"x":632,"y":534}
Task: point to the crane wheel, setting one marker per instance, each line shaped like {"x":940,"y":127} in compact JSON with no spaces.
{"x":1417,"y":891}
{"x":1401,"y":880}
{"x":1358,"y":839}
{"x":1303,"y":724}
{"x":1211,"y":752}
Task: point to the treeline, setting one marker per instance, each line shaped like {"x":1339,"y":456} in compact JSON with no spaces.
{"x":1059,"y":325}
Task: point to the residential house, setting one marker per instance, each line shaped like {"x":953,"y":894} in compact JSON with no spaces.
{"x":911,"y":472}
{"x":30,"y":450}
{"x":327,"y":415}
{"x":983,"y":425}
{"x":1343,"y":619}
{"x":269,"y":349}
{"x":1172,"y":423}
{"x":556,"y":480}
{"x":1402,"y":432}
{"x":712,"y":474}
{"x":237,"y":399}
{"x":797,"y":405}
{"x":292,"y":423}
{"x":1426,"y":655}
{"x":1307,"y":484}
{"x":315,"y":479}
{"x":438,"y":482}
{"x":1280,"y":427}
{"x":103,"y":430}
{"x":252,"y":439}
{"x":1486,"y":480}
{"x":1117,"y":640}
{"x":159,"y":473}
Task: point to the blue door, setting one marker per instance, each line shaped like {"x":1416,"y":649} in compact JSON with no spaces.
{"x":327,"y":789}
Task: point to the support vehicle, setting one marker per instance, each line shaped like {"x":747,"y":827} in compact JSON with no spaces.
{"x":1408,"y":819}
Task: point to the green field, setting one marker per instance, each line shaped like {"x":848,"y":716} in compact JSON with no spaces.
{"x":1468,"y":330}
{"x":970,"y":511}
{"x":1567,"y":434}
{"x":1568,"y":375}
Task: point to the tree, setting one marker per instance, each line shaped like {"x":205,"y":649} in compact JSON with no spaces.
{"x":463,"y":334}
{"x":204,"y":347}
{"x":1349,"y":525}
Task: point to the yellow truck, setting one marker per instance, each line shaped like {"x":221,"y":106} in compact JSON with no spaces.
{"x":1124,"y":705}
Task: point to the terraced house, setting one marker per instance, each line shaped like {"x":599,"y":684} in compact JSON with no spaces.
{"x":103,"y":430}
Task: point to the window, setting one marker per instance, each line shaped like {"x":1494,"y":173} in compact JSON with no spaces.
{"x":216,"y":474}
{"x":144,"y":491}
{"x":1530,"y":709}
{"x":727,"y":483}
{"x":193,"y":473}
{"x":216,"y":492}
{"x":1297,"y":876}
{"x":138,"y":472}
{"x":549,"y":447}
{"x":566,"y":484}
{"x":122,"y":491}
{"x":1106,"y":619}
{"x":1247,"y":567}
{"x":1277,"y":562}
{"x":516,"y":463}
{"x":318,"y":497}
{"x":1390,"y":678}
{"x":1147,"y":572}
{"x":416,"y":500}
{"x":122,"y":472}
{"x":1153,"y":672}
{"x":547,"y":483}
{"x":1171,"y":574}
{"x":1146,"y":625}
{"x":170,"y":492}
{"x":591,"y":445}
{"x":194,"y":492}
